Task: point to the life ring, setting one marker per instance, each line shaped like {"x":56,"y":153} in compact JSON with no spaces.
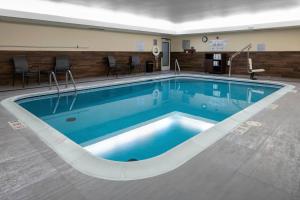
{"x":155,"y":51}
{"x":155,"y":94}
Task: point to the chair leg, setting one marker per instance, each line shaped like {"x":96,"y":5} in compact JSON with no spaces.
{"x":13,"y":83}
{"x":39,"y":78}
{"x":108,"y":71}
{"x":131,"y":69}
{"x":27,"y":80}
{"x":23,"y":80}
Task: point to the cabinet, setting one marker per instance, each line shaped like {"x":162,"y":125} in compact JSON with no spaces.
{"x":215,"y":63}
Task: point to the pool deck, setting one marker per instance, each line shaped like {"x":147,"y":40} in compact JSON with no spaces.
{"x":252,"y":162}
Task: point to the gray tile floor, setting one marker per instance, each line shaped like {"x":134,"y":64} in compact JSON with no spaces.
{"x":255,"y":163}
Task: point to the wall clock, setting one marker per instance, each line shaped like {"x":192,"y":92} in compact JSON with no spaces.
{"x":204,"y":39}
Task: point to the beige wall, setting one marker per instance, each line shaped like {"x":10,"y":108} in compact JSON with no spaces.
{"x":94,"y":40}
{"x":275,"y":40}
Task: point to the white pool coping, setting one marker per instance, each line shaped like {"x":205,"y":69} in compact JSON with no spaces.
{"x":90,"y":165}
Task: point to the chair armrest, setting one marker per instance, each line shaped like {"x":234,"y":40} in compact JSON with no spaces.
{"x":45,"y":71}
{"x":122,"y":65}
{"x":35,"y":69}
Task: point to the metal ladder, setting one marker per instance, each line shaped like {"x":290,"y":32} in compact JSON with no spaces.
{"x":177,"y":66}
{"x":248,"y":47}
{"x":70,"y":76}
{"x":53,"y":76}
{"x":67,"y":97}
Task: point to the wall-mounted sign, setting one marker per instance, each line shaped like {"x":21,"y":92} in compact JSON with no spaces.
{"x":186,"y":44}
{"x":217,"y":45}
{"x":261,"y":47}
{"x":140,"y":46}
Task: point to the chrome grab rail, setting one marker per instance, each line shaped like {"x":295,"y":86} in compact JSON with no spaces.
{"x":70,"y":76}
{"x":177,"y":66}
{"x":56,"y":105}
{"x":67,"y":102}
{"x":248,"y":47}
{"x":73,"y":102}
{"x":53,"y":76}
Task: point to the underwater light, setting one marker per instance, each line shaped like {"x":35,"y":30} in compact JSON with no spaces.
{"x":156,"y":127}
{"x":129,"y":136}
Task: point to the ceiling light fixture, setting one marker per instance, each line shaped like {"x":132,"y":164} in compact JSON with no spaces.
{"x":90,"y":16}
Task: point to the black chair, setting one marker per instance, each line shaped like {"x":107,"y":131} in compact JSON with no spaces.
{"x":21,"y":68}
{"x":135,"y":62}
{"x":62,"y":65}
{"x":113,"y":66}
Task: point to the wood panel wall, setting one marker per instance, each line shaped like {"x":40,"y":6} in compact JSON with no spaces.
{"x":279,"y":64}
{"x":189,"y":62}
{"x":94,"y":63}
{"x":84,"y":63}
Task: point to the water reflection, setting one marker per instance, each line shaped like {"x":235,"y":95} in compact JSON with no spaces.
{"x":99,"y":112}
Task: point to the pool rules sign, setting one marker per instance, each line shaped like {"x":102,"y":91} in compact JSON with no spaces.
{"x":217,"y":45}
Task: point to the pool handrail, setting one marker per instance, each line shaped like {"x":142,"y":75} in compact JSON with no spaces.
{"x":70,"y":76}
{"x":53,"y":76}
{"x":177,"y":66}
{"x":229,"y":63}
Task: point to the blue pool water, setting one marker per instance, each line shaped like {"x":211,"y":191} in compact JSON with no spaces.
{"x":105,"y":117}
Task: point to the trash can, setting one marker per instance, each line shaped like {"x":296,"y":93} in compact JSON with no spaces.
{"x":149,"y":66}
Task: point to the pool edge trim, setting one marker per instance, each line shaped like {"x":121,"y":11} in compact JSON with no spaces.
{"x":90,"y":165}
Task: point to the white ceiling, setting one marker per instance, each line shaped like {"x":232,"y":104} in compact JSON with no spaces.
{"x":158,"y":16}
{"x":179,"y":11}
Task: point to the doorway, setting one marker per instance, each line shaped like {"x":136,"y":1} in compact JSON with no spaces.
{"x":165,"y":60}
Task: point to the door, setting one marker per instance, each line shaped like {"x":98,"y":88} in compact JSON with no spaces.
{"x":165,"y":60}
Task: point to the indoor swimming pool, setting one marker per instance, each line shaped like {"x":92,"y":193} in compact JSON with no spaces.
{"x":138,"y":124}
{"x":96,"y":119}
